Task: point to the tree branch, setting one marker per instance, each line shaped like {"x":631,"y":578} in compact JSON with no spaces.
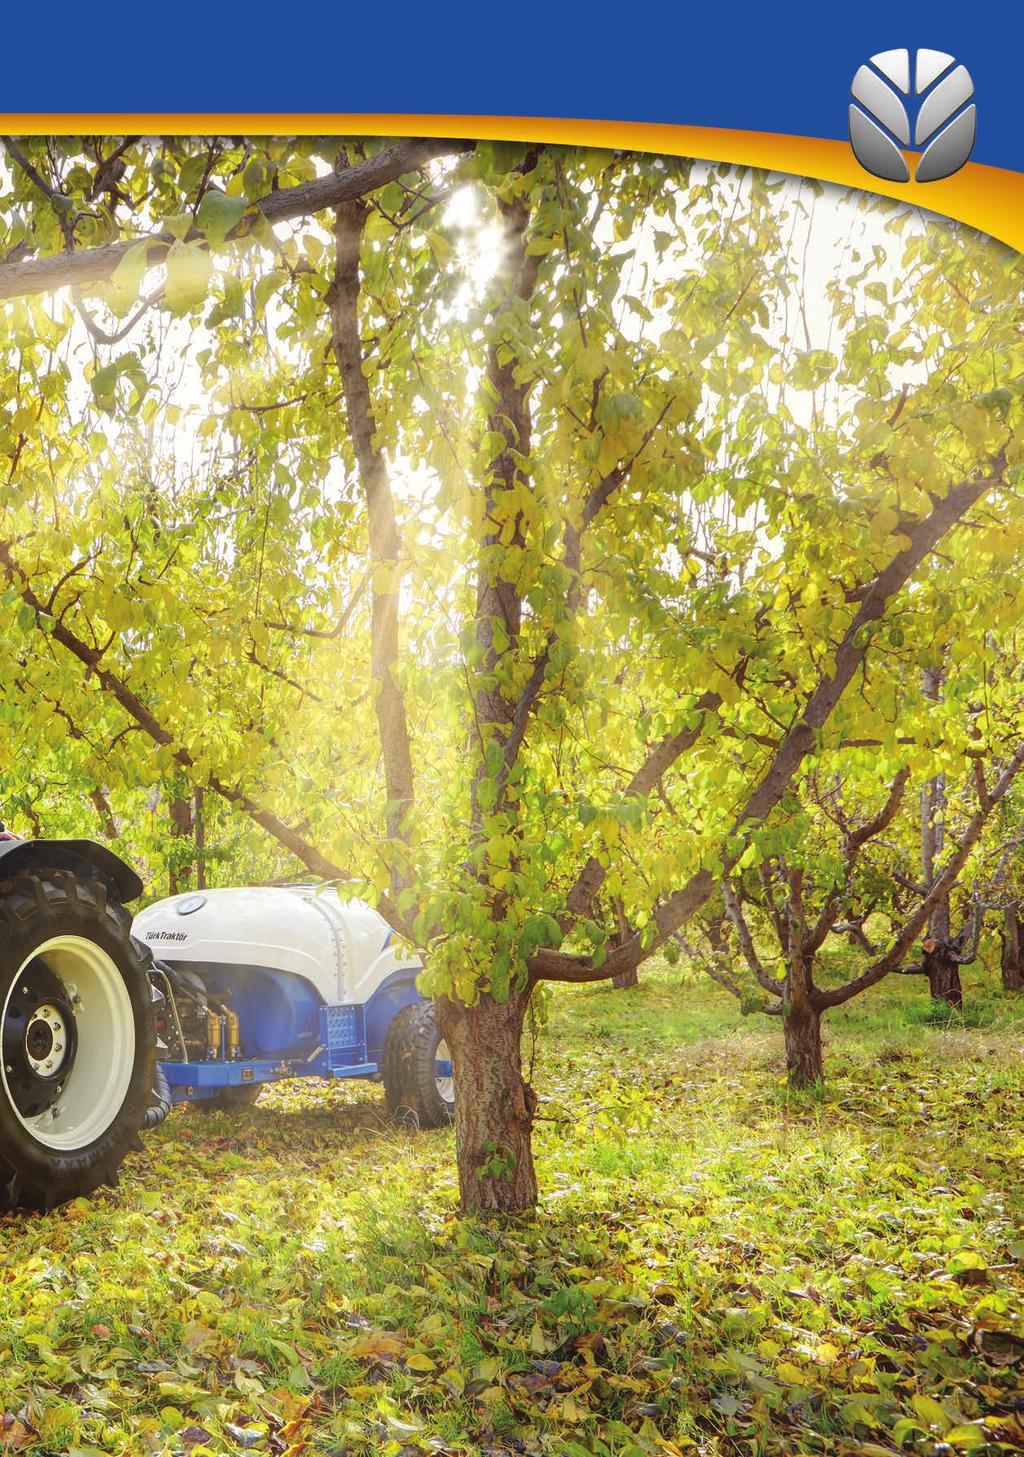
{"x":856,"y":933}
{"x":735,"y":913}
{"x":328,"y":634}
{"x":592,"y":507}
{"x":674,"y":911}
{"x":659,"y":760}
{"x":286,"y":835}
{"x":855,"y":841}
{"x":96,"y":265}
{"x":940,"y":887}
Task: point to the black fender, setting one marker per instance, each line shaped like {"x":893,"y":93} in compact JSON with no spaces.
{"x":83,"y":857}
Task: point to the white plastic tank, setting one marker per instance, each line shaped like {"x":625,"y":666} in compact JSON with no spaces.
{"x":344,"y":948}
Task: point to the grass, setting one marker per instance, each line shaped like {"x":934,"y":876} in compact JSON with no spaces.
{"x":717,"y":1266}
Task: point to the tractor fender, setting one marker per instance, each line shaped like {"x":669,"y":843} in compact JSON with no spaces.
{"x":82,"y":857}
{"x":396,"y":992}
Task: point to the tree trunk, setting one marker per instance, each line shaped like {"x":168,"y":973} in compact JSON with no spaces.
{"x":179,"y":875}
{"x":801,"y":1021}
{"x":1010,"y":961}
{"x":386,"y":550}
{"x":494,"y":1106}
{"x":933,"y":825}
{"x":943,"y":973}
{"x":631,"y":978}
{"x":199,"y":821}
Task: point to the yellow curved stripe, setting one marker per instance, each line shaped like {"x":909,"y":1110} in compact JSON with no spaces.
{"x":990,"y":199}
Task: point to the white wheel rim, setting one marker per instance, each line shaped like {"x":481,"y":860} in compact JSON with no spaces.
{"x":97,"y":1084}
{"x":445,"y":1085}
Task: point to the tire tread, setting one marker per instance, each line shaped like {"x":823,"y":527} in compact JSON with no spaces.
{"x":407,"y":1068}
{"x":47,"y":895}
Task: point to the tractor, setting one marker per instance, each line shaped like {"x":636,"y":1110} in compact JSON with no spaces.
{"x":204,"y":997}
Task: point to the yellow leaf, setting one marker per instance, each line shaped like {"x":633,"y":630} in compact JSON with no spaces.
{"x":882,"y":523}
{"x":197,"y":1337}
{"x":360,"y":1393}
{"x":970,"y":1434}
{"x":790,"y":1374}
{"x":930,"y":1412}
{"x":419,"y":1362}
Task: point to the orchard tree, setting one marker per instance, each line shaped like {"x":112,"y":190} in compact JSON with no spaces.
{"x":503,"y":531}
{"x":823,"y":875}
{"x":1011,"y":959}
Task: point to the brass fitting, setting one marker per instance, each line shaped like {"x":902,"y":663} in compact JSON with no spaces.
{"x":233,"y":1038}
{"x":212,"y":1033}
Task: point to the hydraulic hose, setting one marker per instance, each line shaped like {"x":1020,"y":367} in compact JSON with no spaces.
{"x":161,"y":1105}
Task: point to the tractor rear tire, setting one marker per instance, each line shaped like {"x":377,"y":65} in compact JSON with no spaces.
{"x":415,"y":1093}
{"x":230,"y":1100}
{"x":78,"y":1037}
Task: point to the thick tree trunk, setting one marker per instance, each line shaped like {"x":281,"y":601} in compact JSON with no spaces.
{"x":943,"y":973}
{"x":801,"y":1022}
{"x":494,"y":1106}
{"x":940,"y":967}
{"x":626,"y":979}
{"x":1012,"y":959}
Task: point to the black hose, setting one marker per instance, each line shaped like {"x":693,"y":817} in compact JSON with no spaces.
{"x":161,"y":1105}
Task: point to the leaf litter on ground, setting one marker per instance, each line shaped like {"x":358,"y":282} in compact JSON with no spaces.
{"x":717,"y":1266}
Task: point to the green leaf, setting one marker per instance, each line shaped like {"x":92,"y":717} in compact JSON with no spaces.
{"x":188,"y":275}
{"x":218,"y":214}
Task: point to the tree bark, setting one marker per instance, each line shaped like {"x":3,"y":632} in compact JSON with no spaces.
{"x":943,"y":975}
{"x":499,"y":607}
{"x":101,"y":804}
{"x":801,"y":1021}
{"x":801,"y":1005}
{"x":631,"y":976}
{"x":179,"y":876}
{"x":199,"y":823}
{"x":385,"y":541}
{"x":1010,"y":961}
{"x":943,"y":972}
{"x":494,"y":1106}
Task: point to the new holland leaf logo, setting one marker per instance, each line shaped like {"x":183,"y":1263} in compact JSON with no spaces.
{"x":944,"y":125}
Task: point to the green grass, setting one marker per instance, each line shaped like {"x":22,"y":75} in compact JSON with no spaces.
{"x":717,"y":1266}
